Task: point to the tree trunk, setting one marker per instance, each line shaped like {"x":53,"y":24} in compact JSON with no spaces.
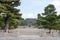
{"x":7,"y":24}
{"x":49,"y":30}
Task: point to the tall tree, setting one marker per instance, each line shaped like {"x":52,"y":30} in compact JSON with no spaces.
{"x":10,"y":12}
{"x":50,"y":17}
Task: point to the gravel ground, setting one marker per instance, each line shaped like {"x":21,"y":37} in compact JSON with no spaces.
{"x":30,"y":34}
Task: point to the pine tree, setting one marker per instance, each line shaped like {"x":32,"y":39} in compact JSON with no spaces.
{"x":11,"y":14}
{"x":50,"y":19}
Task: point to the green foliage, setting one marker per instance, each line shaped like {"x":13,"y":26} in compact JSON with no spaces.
{"x":13,"y":24}
{"x":50,"y":9}
{"x":39,"y":19}
{"x":11,"y":2}
{"x":8,"y":11}
{"x":50,"y":19}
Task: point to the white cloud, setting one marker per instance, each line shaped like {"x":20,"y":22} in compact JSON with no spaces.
{"x":57,"y":5}
{"x":56,"y":2}
{"x":36,"y":5}
{"x":36,"y":1}
{"x":29,"y":15}
{"x":58,"y":11}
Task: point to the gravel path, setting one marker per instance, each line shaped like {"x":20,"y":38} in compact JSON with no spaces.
{"x":29,"y":34}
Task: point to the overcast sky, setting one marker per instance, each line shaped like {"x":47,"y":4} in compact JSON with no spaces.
{"x":30,"y":8}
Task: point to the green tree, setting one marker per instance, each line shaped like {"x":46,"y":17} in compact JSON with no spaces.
{"x":50,"y":16}
{"x":39,"y":20}
{"x":11,"y":14}
{"x":50,"y":19}
{"x":1,"y":22}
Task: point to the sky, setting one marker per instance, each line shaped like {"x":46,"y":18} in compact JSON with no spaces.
{"x":30,"y":8}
